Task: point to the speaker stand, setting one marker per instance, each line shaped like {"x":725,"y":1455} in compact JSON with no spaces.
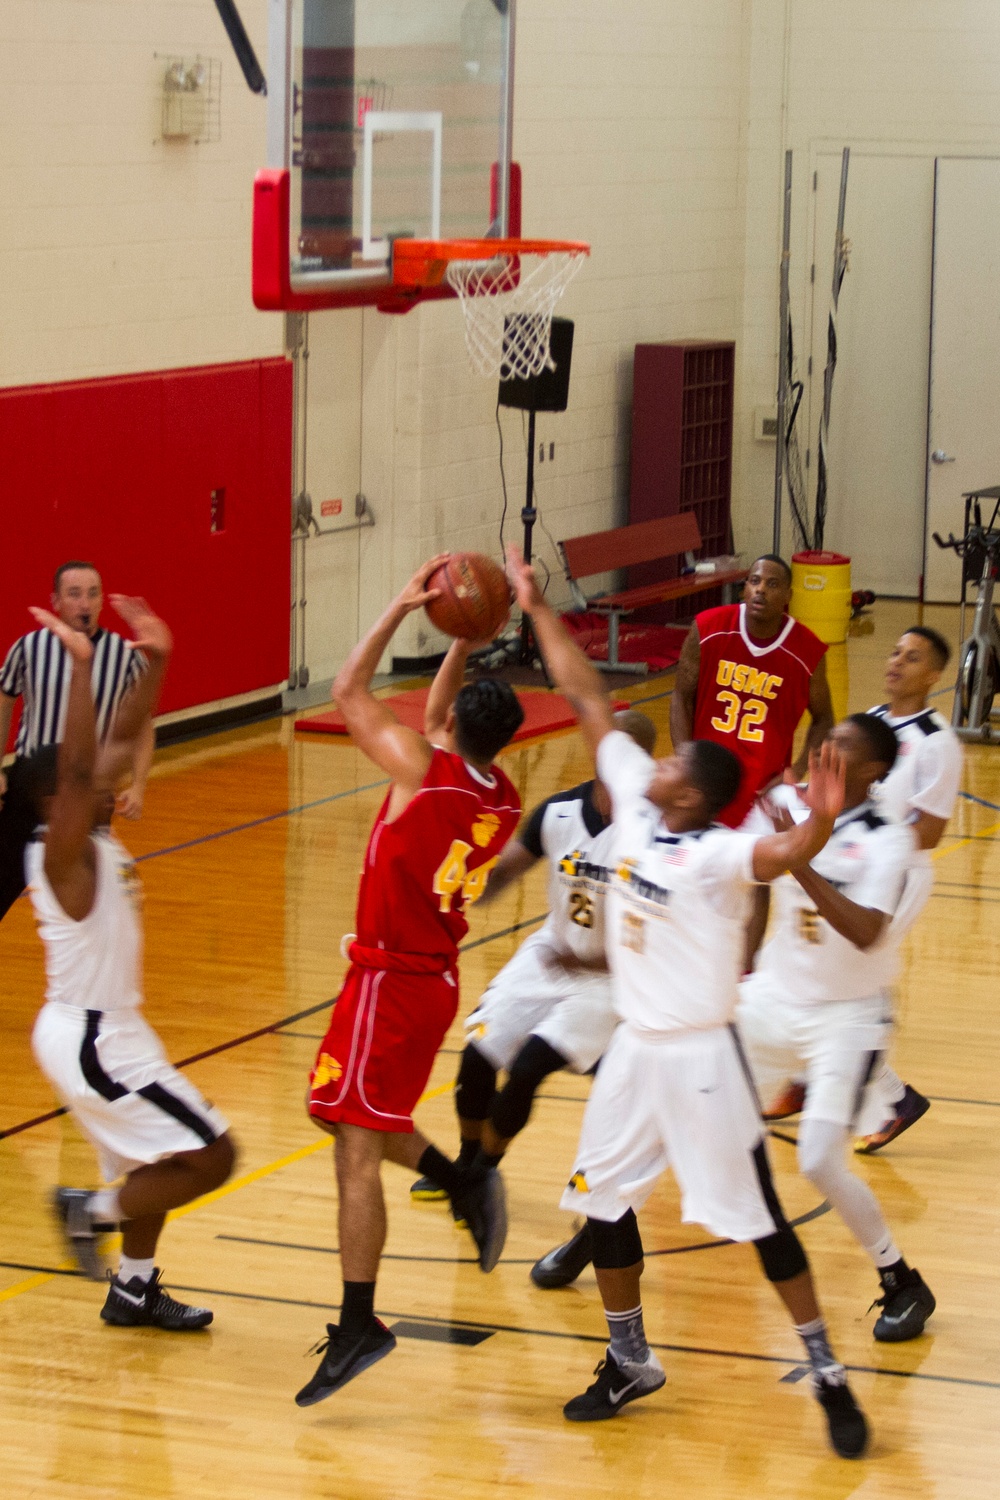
{"x":529,"y":653}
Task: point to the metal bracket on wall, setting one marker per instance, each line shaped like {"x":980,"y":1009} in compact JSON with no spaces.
{"x":304,"y":521}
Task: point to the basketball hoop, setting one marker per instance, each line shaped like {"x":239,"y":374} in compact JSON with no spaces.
{"x":508,"y":290}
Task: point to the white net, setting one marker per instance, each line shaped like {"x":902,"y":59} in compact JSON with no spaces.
{"x":508,"y":302}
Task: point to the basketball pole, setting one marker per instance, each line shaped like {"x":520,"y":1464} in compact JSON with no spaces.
{"x":784,"y":374}
{"x":529,"y":515}
{"x":839,"y":272}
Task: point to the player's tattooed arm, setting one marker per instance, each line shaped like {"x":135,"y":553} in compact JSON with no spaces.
{"x":682,"y":701}
{"x":70,"y":865}
{"x":575,"y":677}
{"x":820,"y":714}
{"x":513,"y":864}
{"x":860,"y":925}
{"x":792,"y":847}
{"x":402,"y":753}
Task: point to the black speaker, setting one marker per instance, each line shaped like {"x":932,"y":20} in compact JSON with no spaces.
{"x":548,"y":391}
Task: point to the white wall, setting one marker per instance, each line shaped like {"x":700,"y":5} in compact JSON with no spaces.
{"x":655,"y":131}
{"x":120,"y":251}
{"x":899,"y":82}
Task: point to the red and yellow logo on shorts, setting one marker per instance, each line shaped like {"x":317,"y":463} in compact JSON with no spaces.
{"x":327,"y":1070}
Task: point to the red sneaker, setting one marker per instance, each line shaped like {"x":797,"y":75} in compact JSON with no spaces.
{"x":788,"y":1103}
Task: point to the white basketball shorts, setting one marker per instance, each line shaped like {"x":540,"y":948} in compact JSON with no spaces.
{"x":110,"y":1071}
{"x":684,"y":1102}
{"x":836,"y":1046}
{"x":574,"y":1012}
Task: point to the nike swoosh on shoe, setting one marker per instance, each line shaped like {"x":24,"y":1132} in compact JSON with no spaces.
{"x":899,"y":1317}
{"x":615,"y":1396}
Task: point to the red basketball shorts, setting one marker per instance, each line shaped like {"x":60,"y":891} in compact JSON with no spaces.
{"x":384,"y":1034}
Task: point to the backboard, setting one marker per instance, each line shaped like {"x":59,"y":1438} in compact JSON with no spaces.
{"x":386,"y":119}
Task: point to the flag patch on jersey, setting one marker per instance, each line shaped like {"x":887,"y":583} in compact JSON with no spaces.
{"x":674,"y":856}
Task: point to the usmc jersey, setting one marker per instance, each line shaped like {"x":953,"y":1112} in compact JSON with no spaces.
{"x":421,"y":869}
{"x":928,"y":766}
{"x":751,"y":695}
{"x":806,"y":960}
{"x":573,"y":835}
{"x":96,"y":963}
{"x":676,"y":909}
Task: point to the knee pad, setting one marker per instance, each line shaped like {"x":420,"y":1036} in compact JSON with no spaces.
{"x":781,"y":1255}
{"x":475,"y":1086}
{"x":512,"y":1106}
{"x":617,"y":1245}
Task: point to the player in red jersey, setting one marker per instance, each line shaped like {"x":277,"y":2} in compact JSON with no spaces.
{"x":439,"y":832}
{"x":747,"y":674}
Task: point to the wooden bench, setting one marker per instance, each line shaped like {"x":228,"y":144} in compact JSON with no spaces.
{"x":648,"y":541}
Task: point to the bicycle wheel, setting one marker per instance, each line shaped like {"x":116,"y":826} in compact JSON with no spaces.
{"x":968,"y":671}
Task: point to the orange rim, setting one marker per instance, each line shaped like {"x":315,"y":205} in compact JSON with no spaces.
{"x":423,"y":263}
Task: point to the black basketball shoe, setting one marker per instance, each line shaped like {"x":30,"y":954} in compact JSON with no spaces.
{"x":344,"y":1356}
{"x":906,"y":1305}
{"x":425,"y":1190}
{"x":136,"y":1303}
{"x":844,"y":1417}
{"x":483,"y":1207}
{"x":563,"y":1264}
{"x":616,"y":1385}
{"x":81,"y":1234}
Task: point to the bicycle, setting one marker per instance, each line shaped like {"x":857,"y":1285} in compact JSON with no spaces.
{"x":979,"y":659}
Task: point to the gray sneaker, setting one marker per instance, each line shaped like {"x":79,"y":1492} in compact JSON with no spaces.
{"x":71,"y":1207}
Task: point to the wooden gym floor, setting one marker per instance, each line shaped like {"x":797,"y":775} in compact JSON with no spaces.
{"x":251,"y":845}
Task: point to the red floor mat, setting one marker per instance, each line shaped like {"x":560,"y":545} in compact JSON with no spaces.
{"x":543,"y":712}
{"x":659,"y":645}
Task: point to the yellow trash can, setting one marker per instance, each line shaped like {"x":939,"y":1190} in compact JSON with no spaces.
{"x":821,"y":593}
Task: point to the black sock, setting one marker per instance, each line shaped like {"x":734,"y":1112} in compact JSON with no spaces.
{"x":484,"y":1161}
{"x":435,"y":1165}
{"x":468,"y":1153}
{"x":358,"y":1307}
{"x":896,"y":1275}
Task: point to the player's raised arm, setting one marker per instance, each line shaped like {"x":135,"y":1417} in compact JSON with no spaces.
{"x":70,"y":814}
{"x":448,"y":680}
{"x":574,"y":676}
{"x":820,"y":714}
{"x":402,"y":753}
{"x":798,"y":844}
{"x":685,"y":693}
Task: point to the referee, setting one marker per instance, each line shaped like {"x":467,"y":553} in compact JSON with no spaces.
{"x":37,"y":669}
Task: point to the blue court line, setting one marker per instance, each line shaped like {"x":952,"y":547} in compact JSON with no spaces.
{"x":286,"y":812}
{"x":995,"y":806}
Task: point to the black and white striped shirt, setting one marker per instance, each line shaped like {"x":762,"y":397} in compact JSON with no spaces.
{"x":38,"y":669}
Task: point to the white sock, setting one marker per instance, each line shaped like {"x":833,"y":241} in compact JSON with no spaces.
{"x":129,"y":1268}
{"x":104,"y":1206}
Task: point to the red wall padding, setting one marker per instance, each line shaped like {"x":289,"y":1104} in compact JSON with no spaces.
{"x":121,"y":472}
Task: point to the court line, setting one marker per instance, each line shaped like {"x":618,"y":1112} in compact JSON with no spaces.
{"x":590,"y":1338}
{"x":961,"y":844}
{"x":981,"y":800}
{"x":286,"y":812}
{"x":271,"y":1027}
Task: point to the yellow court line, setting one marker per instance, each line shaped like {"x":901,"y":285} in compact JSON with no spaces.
{"x":41,"y":1277}
{"x":982,"y":834}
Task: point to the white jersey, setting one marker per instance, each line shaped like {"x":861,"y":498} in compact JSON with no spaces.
{"x":677,"y":906}
{"x":568,"y":830}
{"x":928,"y":766}
{"x":867,"y":859}
{"x":94,"y":964}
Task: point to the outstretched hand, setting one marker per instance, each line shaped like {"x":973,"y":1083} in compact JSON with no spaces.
{"x":151,"y":633}
{"x":523,"y":581}
{"x":416,"y":592}
{"x":79,"y":646}
{"x":826,"y":790}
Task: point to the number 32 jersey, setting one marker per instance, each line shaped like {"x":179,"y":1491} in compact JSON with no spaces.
{"x":568,"y":830}
{"x":751,"y":695}
{"x":421,"y":869}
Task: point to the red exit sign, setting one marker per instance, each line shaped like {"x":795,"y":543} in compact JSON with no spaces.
{"x":331,"y":507}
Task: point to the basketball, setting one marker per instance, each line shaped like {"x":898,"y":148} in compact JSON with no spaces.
{"x":475,"y":597}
